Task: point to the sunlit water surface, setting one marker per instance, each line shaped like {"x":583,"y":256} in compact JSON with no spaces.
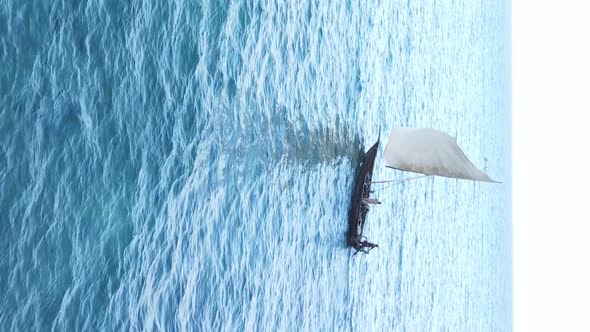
{"x":188,"y":165}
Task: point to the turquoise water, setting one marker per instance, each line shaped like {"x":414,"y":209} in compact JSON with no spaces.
{"x":187,"y":165}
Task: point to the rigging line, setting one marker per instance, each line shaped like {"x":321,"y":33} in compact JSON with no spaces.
{"x":400,"y":181}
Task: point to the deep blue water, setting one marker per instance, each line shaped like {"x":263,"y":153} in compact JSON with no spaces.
{"x":188,"y":165}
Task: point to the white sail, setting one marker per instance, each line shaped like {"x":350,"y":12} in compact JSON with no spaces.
{"x":431,"y":152}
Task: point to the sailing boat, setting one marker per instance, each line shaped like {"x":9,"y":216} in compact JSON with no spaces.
{"x":426,"y":151}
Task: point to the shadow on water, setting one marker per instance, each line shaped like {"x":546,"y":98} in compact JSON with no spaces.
{"x":283,"y":137}
{"x":322,"y":145}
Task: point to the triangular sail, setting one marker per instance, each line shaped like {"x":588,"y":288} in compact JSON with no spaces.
{"x":430,"y":152}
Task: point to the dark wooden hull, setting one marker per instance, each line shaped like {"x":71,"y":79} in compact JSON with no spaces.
{"x":362,"y":189}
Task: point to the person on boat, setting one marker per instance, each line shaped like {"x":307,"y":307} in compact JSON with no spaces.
{"x":361,"y":244}
{"x":365,"y":208}
{"x":367,"y":201}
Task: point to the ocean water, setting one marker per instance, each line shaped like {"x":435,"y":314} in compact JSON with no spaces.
{"x":187,"y":165}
